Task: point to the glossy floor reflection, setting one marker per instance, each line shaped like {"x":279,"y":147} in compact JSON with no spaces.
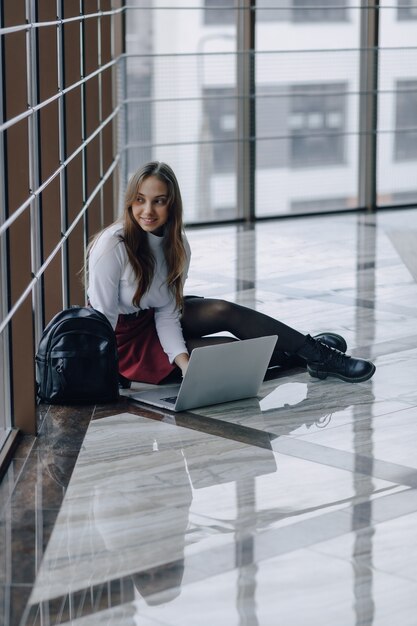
{"x":298,"y":506}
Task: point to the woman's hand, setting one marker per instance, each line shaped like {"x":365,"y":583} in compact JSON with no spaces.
{"x":182,"y":361}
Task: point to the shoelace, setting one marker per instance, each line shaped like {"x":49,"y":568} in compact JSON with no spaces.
{"x":331,"y":356}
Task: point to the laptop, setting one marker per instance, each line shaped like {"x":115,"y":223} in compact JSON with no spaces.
{"x":216,"y":374}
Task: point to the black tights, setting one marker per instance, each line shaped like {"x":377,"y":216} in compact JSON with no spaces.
{"x":204,"y":316}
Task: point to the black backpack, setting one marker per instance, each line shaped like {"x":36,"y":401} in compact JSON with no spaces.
{"x":77,"y":360}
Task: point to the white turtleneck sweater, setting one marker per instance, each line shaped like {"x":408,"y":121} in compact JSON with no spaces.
{"x":112,"y":285}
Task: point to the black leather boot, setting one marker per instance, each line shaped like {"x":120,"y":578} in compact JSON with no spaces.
{"x":330,"y":339}
{"x":323,"y":361}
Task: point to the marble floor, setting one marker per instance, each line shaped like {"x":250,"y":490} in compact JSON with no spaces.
{"x":295,"y":507}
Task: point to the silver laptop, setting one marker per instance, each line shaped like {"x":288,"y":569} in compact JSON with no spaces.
{"x":215,"y":374}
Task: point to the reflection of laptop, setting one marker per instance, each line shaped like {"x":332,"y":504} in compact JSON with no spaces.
{"x":215,"y":374}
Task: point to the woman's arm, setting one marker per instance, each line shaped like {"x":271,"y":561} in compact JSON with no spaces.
{"x":105,"y":266}
{"x":168,"y":324}
{"x":181,"y":360}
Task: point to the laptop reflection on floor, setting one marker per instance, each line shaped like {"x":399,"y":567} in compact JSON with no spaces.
{"x":216,"y":374}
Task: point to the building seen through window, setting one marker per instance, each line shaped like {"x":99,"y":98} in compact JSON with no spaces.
{"x":317,"y":122}
{"x":220,"y":112}
{"x":217,"y":12}
{"x":406,"y":120}
{"x":326,"y":11}
{"x":407,"y":9}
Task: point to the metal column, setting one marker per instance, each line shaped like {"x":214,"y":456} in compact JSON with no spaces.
{"x":368,"y":118}
{"x":245,"y":88}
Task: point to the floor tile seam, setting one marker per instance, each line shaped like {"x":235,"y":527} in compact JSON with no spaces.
{"x":344,"y":454}
{"x":7,"y":502}
{"x":320,"y":521}
{"x":371,"y":567}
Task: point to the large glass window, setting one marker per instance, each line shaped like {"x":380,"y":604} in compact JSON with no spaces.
{"x":406,"y":120}
{"x":307,"y":96}
{"x":180,"y":100}
{"x":407,"y":10}
{"x":316,"y":123}
{"x":220,"y":124}
{"x":272,"y":110}
{"x":217,"y":12}
{"x":326,"y":11}
{"x":397,"y":104}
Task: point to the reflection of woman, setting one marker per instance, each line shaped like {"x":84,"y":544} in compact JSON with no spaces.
{"x":137,"y":269}
{"x":141,"y":505}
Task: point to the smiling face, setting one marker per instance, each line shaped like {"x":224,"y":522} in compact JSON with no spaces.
{"x":151,"y":206}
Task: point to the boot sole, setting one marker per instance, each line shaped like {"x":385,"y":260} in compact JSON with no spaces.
{"x":323,"y":374}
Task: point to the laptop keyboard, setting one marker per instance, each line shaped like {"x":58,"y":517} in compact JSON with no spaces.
{"x":171,"y":400}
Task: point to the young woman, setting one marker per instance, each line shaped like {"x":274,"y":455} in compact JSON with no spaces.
{"x":136,"y":273}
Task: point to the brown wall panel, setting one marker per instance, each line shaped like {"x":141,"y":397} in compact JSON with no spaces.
{"x":52,"y":288}
{"x":16,"y":98}
{"x":23,"y":368}
{"x":14,"y":12}
{"x":71,"y":8}
{"x":74,"y":187}
{"x":51,"y":218}
{"x":72,"y":67}
{"x":109,"y":211}
{"x":51,"y":235}
{"x":91,"y":6}
{"x":17,"y":165}
{"x":93,"y":164}
{"x":107,"y":140}
{"x":118,"y":29}
{"x":92,"y":105}
{"x":23,"y":349}
{"x":76,"y":262}
{"x":73,"y":134}
{"x":105,"y":28}
{"x":76,"y":239}
{"x":49,"y":140}
{"x":47,"y":59}
{"x":94,"y":218}
{"x":20,"y":257}
{"x":106,"y":92}
{"x":91,"y":44}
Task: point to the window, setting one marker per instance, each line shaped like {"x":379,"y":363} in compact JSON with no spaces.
{"x":271,"y":122}
{"x":406,"y":120}
{"x":326,"y":11}
{"x":407,"y":10}
{"x":220,"y":118}
{"x":316,"y":124}
{"x":217,"y":12}
{"x":273,"y":11}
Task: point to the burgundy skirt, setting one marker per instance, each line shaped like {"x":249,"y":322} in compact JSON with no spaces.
{"x":141,"y":357}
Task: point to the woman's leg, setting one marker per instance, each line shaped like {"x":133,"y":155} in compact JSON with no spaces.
{"x":205,"y":316}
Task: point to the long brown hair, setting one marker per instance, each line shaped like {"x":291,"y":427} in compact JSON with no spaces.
{"x":135,"y":239}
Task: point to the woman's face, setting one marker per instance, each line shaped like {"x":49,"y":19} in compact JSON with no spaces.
{"x":150,"y":209}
